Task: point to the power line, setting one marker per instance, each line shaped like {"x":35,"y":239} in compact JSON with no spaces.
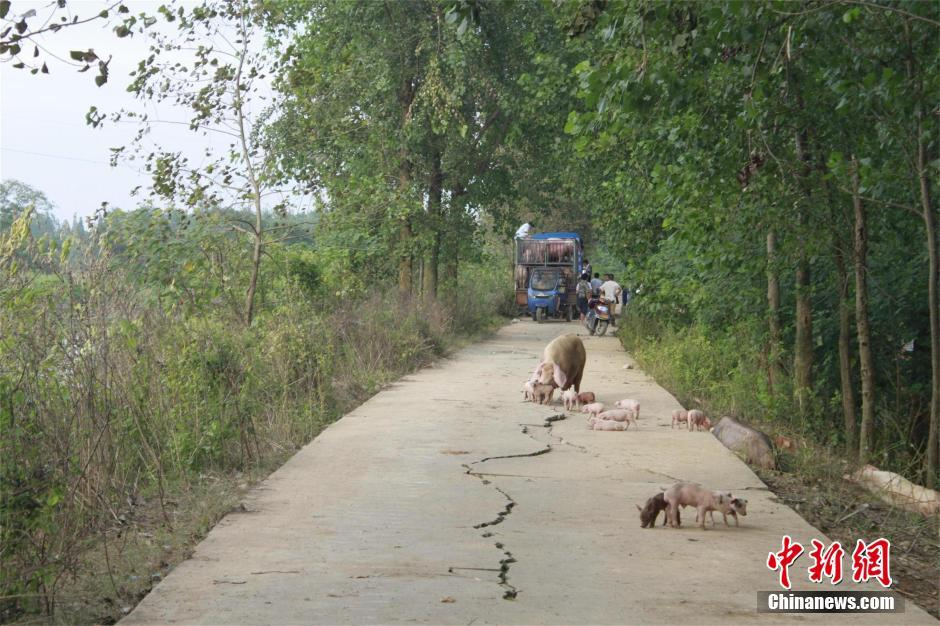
{"x":54,"y":156}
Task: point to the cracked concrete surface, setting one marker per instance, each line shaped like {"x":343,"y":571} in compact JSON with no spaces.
{"x":447,"y":500}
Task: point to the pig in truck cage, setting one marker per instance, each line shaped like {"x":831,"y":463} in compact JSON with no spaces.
{"x":553,"y":261}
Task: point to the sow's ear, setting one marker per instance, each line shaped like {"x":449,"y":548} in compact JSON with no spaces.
{"x":560,"y":377}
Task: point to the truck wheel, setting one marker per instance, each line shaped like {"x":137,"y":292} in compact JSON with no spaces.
{"x":540,"y":315}
{"x":601,"y":329}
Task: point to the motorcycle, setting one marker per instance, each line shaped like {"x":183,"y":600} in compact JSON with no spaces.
{"x":597,"y":319}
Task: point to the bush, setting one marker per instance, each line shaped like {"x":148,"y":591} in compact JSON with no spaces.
{"x":109,"y":396}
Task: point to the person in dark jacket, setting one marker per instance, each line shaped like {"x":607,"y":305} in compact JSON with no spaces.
{"x":584,"y":292}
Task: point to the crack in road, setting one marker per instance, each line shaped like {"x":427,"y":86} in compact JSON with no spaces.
{"x":511,"y":592}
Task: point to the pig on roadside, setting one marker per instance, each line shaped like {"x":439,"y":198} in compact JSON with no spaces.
{"x":619,"y":415}
{"x":704,"y":500}
{"x":679,"y":416}
{"x":632,"y":405}
{"x":651,"y":509}
{"x":570,"y":398}
{"x":600,"y":424}
{"x":586,"y":397}
{"x":698,"y":421}
{"x":593,"y":408}
{"x":544,"y":393}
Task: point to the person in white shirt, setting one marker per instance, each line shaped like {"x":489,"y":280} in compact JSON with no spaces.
{"x":524,"y":230}
{"x":611,"y":290}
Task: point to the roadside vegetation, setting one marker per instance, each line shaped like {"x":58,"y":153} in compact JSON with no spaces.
{"x":763,"y":173}
{"x":130,"y":382}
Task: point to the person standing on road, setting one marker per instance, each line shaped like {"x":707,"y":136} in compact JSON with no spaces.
{"x":596,"y":283}
{"x":611,"y":290}
{"x":584,"y":292}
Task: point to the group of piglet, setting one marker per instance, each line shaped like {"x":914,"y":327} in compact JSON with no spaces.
{"x":624,"y":413}
{"x":683,"y":494}
{"x":694,"y":419}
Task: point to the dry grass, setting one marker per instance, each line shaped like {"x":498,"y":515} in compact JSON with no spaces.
{"x":811,"y":483}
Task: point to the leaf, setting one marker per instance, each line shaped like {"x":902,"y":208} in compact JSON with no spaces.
{"x":122,"y":31}
{"x":101,"y":79}
{"x":462,"y":28}
{"x":4,"y":8}
{"x":44,"y":69}
{"x":76,"y":55}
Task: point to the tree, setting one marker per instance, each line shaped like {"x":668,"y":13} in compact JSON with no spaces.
{"x":222,"y":86}
{"x":16,"y":197}
{"x":403,"y":123}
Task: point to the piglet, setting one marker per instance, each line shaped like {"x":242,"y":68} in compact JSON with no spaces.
{"x":632,"y":405}
{"x":528,"y":391}
{"x":570,"y":398}
{"x":738,"y":507}
{"x":586,"y":397}
{"x":698,"y":421}
{"x":619,"y":415}
{"x":651,"y":509}
{"x":599,"y":424}
{"x":680,"y":416}
{"x":593,"y":408}
{"x":691,"y":494}
{"x":544,"y":393}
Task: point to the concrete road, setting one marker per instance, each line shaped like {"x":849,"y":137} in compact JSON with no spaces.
{"x":447,"y":500}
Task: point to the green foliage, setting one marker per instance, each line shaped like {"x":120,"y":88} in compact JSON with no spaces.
{"x":123,"y":372}
{"x":717,"y":124}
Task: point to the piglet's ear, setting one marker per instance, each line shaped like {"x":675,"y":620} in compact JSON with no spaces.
{"x":559,"y":376}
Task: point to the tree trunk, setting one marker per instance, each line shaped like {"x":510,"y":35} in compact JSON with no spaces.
{"x":253,"y":281}
{"x":405,"y":260}
{"x":773,"y":313}
{"x":406,"y":96}
{"x":803,"y":341}
{"x":866,"y":364}
{"x":933,"y":274}
{"x":845,"y":351}
{"x":405,"y":267}
{"x":435,"y":193}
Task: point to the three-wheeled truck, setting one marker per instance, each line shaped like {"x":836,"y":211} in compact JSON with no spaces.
{"x":546,"y":275}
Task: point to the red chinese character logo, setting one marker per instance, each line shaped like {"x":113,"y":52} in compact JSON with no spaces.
{"x":872,"y":561}
{"x":828,"y":562}
{"x":783,"y":559}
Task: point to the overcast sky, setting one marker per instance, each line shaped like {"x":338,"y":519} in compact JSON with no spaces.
{"x":44,"y":140}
